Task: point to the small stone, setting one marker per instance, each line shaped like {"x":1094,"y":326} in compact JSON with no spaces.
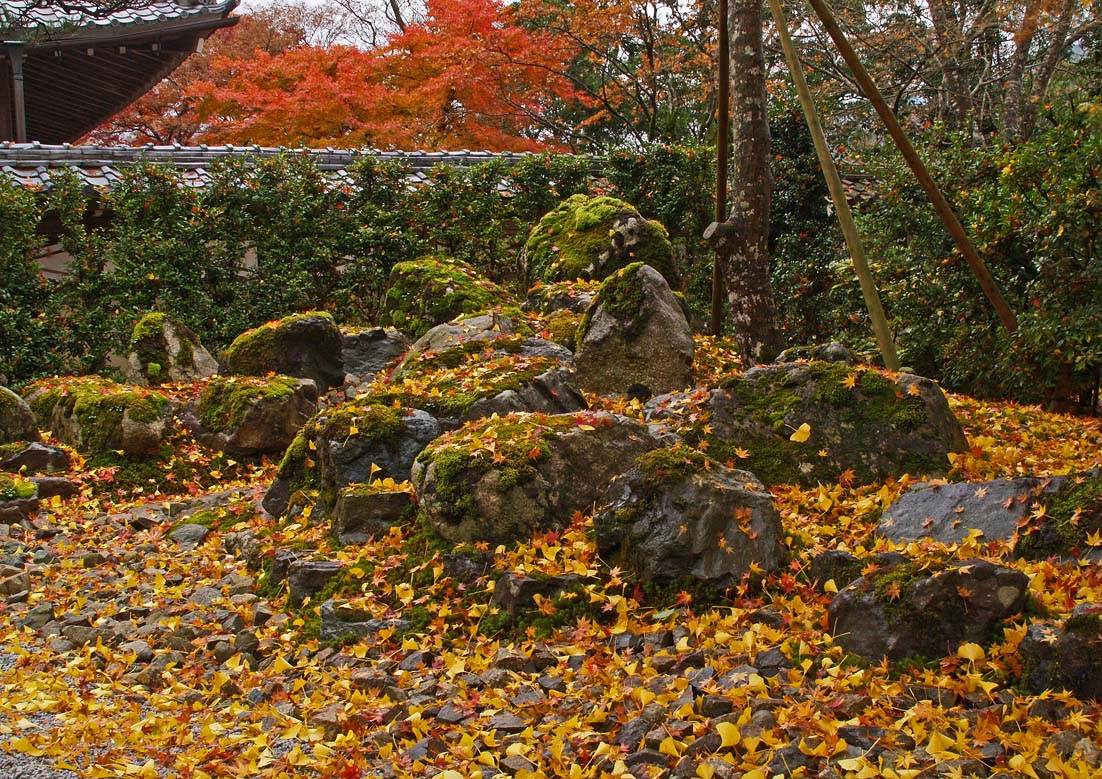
{"x":189,"y":536}
{"x":205,"y":596}
{"x":506,"y":722}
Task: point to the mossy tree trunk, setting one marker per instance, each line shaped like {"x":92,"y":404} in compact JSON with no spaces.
{"x":749,"y":294}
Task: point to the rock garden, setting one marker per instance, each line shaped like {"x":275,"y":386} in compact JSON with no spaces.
{"x":560,"y":535}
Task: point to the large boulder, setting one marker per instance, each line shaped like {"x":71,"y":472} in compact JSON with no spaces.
{"x":949,"y":512}
{"x":1065,"y":656}
{"x":501,"y":479}
{"x":306,"y":346}
{"x":163,"y":350}
{"x":904,"y":611}
{"x":676,"y":515}
{"x":592,"y":237}
{"x":17,"y":422}
{"x":367,"y":352}
{"x":436,"y":289}
{"x":96,"y":416}
{"x":251,"y":414}
{"x":634,"y":337}
{"x":804,"y":423}
{"x":350,"y":444}
{"x":464,"y":330}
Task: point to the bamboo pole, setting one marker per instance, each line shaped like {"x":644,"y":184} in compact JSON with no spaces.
{"x":837,"y":194}
{"x":723,"y":140}
{"x":925,"y":180}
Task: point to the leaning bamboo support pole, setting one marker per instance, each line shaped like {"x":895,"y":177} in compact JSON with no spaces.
{"x":837,"y":194}
{"x":925,"y":180}
{"x":723,"y":143}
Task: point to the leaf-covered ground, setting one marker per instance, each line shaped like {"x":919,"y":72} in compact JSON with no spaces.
{"x":610,"y":680}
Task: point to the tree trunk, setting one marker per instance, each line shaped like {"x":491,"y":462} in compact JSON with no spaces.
{"x":753,"y":310}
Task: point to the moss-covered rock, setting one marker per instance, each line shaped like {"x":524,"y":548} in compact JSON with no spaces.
{"x":252,"y":415}
{"x":96,"y":415}
{"x":433,"y":290}
{"x":306,"y":345}
{"x":163,"y":350}
{"x":18,"y":498}
{"x":352,"y":443}
{"x":676,"y":515}
{"x":861,"y":425}
{"x":1065,"y":657}
{"x":591,"y":237}
{"x":909,"y":612}
{"x":503,"y":478}
{"x":634,"y":337}
{"x":17,"y":421}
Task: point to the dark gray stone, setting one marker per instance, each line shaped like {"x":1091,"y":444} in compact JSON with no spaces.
{"x":652,"y":347}
{"x":710,"y":526}
{"x":36,"y":458}
{"x":369,"y":351}
{"x":54,"y":486}
{"x":306,"y":578}
{"x":189,"y":535}
{"x":267,"y":426}
{"x":947,"y":512}
{"x":931,"y":614}
{"x":1065,"y":656}
{"x":359,"y":514}
{"x":308,"y":347}
{"x":552,"y":392}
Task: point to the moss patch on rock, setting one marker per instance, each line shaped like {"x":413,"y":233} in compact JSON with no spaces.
{"x":449,"y":393}
{"x":12,"y":488}
{"x":432,"y":290}
{"x":589,"y":238}
{"x":1072,"y":514}
{"x":671,"y":463}
{"x":224,"y":401}
{"x":254,"y":350}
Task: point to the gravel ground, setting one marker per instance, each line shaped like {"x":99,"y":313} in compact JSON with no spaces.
{"x":20,"y":766}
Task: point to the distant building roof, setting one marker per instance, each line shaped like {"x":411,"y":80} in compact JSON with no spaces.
{"x":31,"y":165}
{"x":79,"y":69}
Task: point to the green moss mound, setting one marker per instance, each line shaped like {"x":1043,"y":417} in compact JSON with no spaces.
{"x":432,"y":290}
{"x":590,"y":238}
{"x":16,"y":489}
{"x":225,"y":401}
{"x":98,"y":405}
{"x":255,"y":351}
{"x":669,"y":464}
{"x":1072,"y":515}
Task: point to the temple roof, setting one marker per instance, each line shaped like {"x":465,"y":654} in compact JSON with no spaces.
{"x":80,"y":69}
{"x":31,"y":165}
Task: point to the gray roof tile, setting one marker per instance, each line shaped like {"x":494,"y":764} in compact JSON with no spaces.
{"x":32,"y":15}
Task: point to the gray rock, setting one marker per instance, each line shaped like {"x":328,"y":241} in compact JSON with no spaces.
{"x":306,"y":578}
{"x":189,"y":535}
{"x":879,"y":427}
{"x":947,"y":512}
{"x":711,"y":525}
{"x":367,"y":352}
{"x":552,"y":392}
{"x":626,"y":345}
{"x":1065,"y":656}
{"x":349,"y":460}
{"x":361,"y":514}
{"x":903,"y":611}
{"x":17,"y":422}
{"x":205,"y":596}
{"x":36,"y":458}
{"x":508,"y":501}
{"x":54,"y":486}
{"x":514,"y":593}
{"x":484,"y":327}
{"x":18,"y":510}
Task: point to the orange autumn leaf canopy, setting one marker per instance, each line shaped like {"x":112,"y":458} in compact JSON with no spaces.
{"x":467,"y":76}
